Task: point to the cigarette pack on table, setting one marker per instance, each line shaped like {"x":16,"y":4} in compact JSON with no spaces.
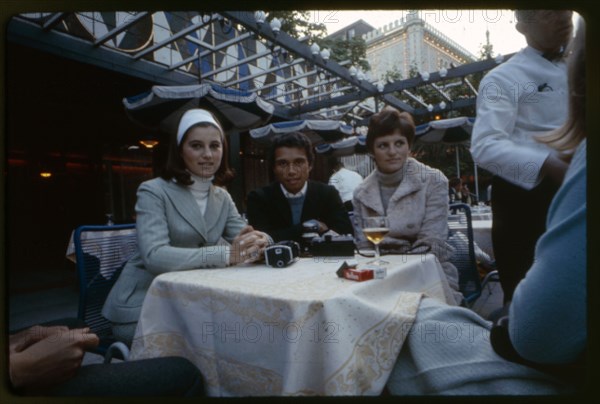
{"x":357,"y":274}
{"x":365,"y":273}
{"x":378,"y":272}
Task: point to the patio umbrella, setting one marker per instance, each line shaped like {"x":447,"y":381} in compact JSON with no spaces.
{"x":455,"y":131}
{"x":344,"y":147}
{"x":162,"y":106}
{"x":318,"y":131}
{"x":452,"y":131}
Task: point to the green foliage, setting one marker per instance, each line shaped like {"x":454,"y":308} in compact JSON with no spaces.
{"x":297,"y":24}
{"x":354,"y":50}
{"x":413,"y":70}
{"x":486,"y":51}
{"x":392,"y":75}
{"x":443,"y":157}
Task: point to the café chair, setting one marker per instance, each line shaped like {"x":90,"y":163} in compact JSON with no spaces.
{"x":460,"y":236}
{"x":101,"y":252}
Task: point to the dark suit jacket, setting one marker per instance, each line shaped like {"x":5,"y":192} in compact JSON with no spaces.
{"x":269,"y":211}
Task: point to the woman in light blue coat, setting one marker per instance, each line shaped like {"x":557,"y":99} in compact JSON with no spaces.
{"x":183,"y":219}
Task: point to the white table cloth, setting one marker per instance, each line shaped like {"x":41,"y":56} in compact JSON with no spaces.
{"x":481,"y":216}
{"x":482,"y":229}
{"x":482,"y":234}
{"x":300,"y":330}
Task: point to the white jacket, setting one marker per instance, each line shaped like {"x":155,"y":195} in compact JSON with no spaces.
{"x":523,"y":97}
{"x":345,"y":181}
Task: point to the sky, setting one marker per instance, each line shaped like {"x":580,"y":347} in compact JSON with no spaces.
{"x":466,"y":27}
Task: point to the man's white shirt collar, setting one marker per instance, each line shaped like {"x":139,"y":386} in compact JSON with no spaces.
{"x":287,"y":194}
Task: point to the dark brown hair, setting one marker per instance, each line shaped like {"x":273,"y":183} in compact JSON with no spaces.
{"x":175,"y":167}
{"x":388,"y":121}
{"x":292,"y":139}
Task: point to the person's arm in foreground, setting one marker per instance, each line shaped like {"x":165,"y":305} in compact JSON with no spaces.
{"x":42,"y":357}
{"x":548,"y":311}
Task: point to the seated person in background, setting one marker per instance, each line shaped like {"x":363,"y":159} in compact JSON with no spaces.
{"x":181,"y":218}
{"x":458,"y":191}
{"x":466,"y":194}
{"x":280,"y":208}
{"x":345,"y":181}
{"x":455,"y":190}
{"x":46,"y":360}
{"x":412,"y":195}
{"x":539,"y":348}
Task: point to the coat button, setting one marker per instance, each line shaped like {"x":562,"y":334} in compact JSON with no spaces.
{"x":410,"y":225}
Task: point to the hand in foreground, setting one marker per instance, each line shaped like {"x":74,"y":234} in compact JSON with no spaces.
{"x":42,"y":357}
{"x":248,"y":246}
{"x":23,"y":339}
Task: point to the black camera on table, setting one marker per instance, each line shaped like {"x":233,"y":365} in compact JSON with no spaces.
{"x":332,"y":246}
{"x":282,"y":254}
{"x":310,"y":230}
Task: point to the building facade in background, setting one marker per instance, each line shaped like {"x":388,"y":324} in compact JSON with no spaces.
{"x":411,"y":43}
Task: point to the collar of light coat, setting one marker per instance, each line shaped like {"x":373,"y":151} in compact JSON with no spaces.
{"x":183,"y":200}
{"x":416,"y":174}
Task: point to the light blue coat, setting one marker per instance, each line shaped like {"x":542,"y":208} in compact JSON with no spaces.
{"x":548,"y":313}
{"x":173,"y":235}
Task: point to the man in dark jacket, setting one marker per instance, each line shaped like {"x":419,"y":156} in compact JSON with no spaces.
{"x":280,"y":208}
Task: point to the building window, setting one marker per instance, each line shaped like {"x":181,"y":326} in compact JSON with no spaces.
{"x":351,"y":33}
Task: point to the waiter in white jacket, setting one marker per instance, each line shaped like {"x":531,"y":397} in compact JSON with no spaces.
{"x":519,"y":100}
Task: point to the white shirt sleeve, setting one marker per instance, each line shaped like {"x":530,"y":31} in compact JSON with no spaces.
{"x":511,"y":111}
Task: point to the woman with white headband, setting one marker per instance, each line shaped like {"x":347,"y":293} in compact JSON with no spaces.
{"x":181,"y":217}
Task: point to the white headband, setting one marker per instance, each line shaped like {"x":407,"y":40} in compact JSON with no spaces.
{"x":193,"y":117}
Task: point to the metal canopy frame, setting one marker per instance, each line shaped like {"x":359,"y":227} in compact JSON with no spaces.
{"x":234,"y":50}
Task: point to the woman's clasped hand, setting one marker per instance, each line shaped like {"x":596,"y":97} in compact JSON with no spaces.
{"x":248,"y":246}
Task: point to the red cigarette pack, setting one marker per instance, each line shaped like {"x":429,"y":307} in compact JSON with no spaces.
{"x":358,"y":275}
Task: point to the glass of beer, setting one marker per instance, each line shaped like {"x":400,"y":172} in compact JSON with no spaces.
{"x":375,"y":228}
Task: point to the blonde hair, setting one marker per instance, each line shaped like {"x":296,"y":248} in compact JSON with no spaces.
{"x":566,"y":138}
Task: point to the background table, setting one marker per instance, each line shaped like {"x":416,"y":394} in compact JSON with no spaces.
{"x":105,"y":256}
{"x":299,"y":330}
{"x":481,"y":213}
{"x":70,"y":254}
{"x":481,"y":220}
{"x":482,"y":233}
